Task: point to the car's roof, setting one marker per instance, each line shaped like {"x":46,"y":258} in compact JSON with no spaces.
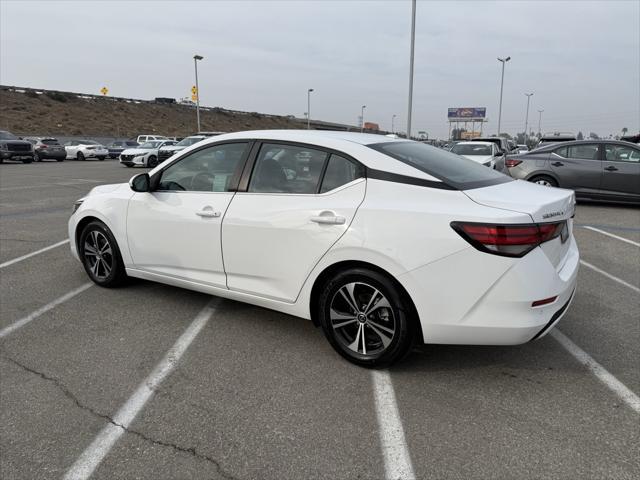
{"x":311,"y":136}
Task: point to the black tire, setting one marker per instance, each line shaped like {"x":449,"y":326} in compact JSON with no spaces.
{"x":545,"y":180}
{"x":101,"y":159}
{"x":59,"y":159}
{"x":127,"y":165}
{"x":27,"y":160}
{"x":152,"y":161}
{"x":36,"y":157}
{"x":80,"y":157}
{"x":397,"y":318}
{"x":110,"y":271}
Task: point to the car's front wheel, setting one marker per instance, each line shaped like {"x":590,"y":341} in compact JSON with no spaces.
{"x":365,"y":318}
{"x":100,"y":255}
{"x":152,"y":162}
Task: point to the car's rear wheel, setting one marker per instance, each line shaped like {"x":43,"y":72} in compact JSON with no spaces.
{"x":544,"y":180}
{"x":365,"y":319}
{"x":101,"y":159}
{"x":100,"y":255}
{"x":36,"y":157}
{"x":80,"y":156}
{"x":60,"y":159}
{"x":152,"y":162}
{"x":27,"y":160}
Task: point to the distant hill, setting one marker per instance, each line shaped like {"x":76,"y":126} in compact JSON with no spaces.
{"x":45,"y":112}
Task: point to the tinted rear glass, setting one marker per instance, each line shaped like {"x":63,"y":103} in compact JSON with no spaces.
{"x":50,"y":141}
{"x":452,"y":169}
{"x":7,"y":136}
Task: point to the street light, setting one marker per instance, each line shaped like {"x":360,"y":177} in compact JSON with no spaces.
{"x":503,"y":60}
{"x":309,"y":108}
{"x":526,"y":121}
{"x":411,"y":56}
{"x":540,"y":121}
{"x":392,"y":122}
{"x":195,"y":62}
{"x":362,"y":119}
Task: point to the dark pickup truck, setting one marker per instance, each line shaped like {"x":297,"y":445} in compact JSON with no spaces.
{"x":12,"y":148}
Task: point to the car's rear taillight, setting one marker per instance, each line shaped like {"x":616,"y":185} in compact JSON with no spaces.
{"x":512,"y":162}
{"x":507,"y":240}
{"x":43,"y":147}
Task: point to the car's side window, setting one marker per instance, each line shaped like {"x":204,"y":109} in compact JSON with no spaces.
{"x":287,"y":169}
{"x":619,"y":153}
{"x":340,"y":171}
{"x":561,"y":152}
{"x":586,"y":152}
{"x":208,"y":170}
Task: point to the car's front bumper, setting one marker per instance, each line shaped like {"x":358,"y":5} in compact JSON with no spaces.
{"x":476,"y":298}
{"x":12,"y":155}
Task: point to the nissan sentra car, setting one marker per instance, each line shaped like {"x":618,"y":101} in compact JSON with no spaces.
{"x":381,"y":242}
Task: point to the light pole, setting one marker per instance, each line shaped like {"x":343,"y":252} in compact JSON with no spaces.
{"x":195,"y":62}
{"x":526,"y":121}
{"x":362,"y":119}
{"x":309,"y":108}
{"x":540,"y":122}
{"x":503,"y":61}
{"x":413,"y":44}
{"x":392,"y":123}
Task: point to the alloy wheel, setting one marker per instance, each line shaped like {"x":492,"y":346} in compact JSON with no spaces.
{"x":362,"y":319}
{"x":544,"y":182}
{"x":98,"y":254}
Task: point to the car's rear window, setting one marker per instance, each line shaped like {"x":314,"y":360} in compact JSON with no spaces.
{"x":50,"y":141}
{"x":452,"y":169}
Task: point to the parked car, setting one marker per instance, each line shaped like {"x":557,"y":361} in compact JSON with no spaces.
{"x":382,"y":242}
{"x":210,"y":134}
{"x":484,"y":153}
{"x":117,"y":147}
{"x":84,"y":149}
{"x":167,"y":151}
{"x":47,"y":148}
{"x":145,"y":155}
{"x":13,"y":148}
{"x":147,"y":138}
{"x":501,"y":142}
{"x":606,"y":170}
{"x":555,"y":137}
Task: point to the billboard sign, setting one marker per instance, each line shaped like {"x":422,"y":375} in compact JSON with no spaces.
{"x":467,"y":113}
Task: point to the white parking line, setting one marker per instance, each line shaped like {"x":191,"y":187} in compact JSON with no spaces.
{"x":37,"y":252}
{"x":32,"y":316}
{"x":599,"y":371}
{"x":397,"y":460}
{"x":608,"y":275}
{"x":89,"y":459}
{"x":622,"y":239}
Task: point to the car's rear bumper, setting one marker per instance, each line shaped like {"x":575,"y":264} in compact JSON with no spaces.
{"x":475,"y":298}
{"x":55,"y":155}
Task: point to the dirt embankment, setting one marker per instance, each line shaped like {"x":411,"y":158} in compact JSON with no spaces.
{"x":62,"y":114}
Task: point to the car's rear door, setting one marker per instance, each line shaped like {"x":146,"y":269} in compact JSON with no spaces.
{"x":175,"y":230}
{"x":578,"y":166}
{"x":293,"y":205}
{"x":621,"y":171}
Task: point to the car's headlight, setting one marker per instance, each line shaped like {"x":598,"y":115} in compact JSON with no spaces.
{"x":76,"y":205}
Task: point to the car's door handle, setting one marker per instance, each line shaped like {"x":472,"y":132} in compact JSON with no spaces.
{"x":329,"y":219}
{"x":208,"y":212}
{"x":557,"y":164}
{"x":611,"y":168}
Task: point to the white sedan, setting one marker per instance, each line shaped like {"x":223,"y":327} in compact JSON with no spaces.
{"x":84,"y":149}
{"x":381,"y":242}
{"x":145,"y":155}
{"x":485,"y":153}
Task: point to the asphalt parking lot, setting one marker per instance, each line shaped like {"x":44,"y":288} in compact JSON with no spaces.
{"x":261,"y":395}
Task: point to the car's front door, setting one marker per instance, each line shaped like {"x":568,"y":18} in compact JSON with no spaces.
{"x":298,"y":202}
{"x":621,"y":170}
{"x":578,"y":167}
{"x":175,"y":230}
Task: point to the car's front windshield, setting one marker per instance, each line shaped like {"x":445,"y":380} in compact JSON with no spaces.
{"x":187,"y":142}
{"x":471,"y":149}
{"x":7,"y":136}
{"x":87,"y":142}
{"x":454,"y":170}
{"x":153,"y":144}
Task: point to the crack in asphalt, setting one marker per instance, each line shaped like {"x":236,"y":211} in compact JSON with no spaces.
{"x":67,"y":393}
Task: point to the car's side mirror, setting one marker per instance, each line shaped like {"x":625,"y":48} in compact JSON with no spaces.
{"x":140,"y":183}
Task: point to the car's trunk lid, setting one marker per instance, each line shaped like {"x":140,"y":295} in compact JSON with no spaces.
{"x":542,"y":204}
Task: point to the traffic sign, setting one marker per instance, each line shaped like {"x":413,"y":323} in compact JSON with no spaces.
{"x":194,"y":90}
{"x":104,"y":90}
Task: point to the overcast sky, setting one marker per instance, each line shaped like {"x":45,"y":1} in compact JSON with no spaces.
{"x":581,"y":59}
